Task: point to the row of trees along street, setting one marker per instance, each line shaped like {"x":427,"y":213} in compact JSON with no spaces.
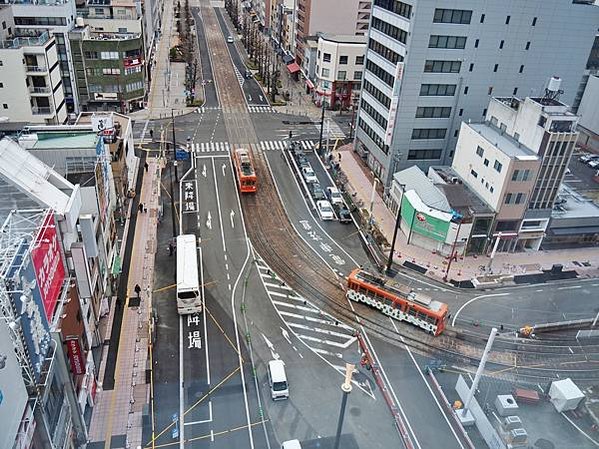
{"x":185,"y":50}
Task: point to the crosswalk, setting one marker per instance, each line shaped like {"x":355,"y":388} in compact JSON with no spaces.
{"x":332,"y":129}
{"x":265,"y":145}
{"x":204,"y":109}
{"x":239,"y":76}
{"x":259,"y":109}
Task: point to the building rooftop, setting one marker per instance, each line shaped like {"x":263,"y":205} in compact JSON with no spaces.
{"x":414,"y":179}
{"x":572,"y":204}
{"x":344,"y":38}
{"x":504,"y":142}
{"x":60,"y":141}
{"x":19,"y":42}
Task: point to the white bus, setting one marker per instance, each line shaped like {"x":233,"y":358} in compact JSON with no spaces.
{"x":189,"y":299}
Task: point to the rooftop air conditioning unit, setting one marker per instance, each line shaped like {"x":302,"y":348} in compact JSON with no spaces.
{"x":518,"y":436}
{"x":512,"y":422}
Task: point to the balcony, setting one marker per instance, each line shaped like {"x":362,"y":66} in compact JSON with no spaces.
{"x":36,"y":69}
{"x":39,"y":90}
{"x":42,"y":110}
{"x":19,"y":42}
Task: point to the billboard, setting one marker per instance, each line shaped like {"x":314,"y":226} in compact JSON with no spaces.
{"x":76,"y":355}
{"x":27,"y":297}
{"x":13,"y":396}
{"x":420,"y":220}
{"x":46,"y":255}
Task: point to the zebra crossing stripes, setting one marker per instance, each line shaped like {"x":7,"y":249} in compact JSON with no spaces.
{"x":265,"y":145}
{"x":239,"y":76}
{"x":206,"y":109}
{"x":261,"y":109}
{"x":210,"y":147}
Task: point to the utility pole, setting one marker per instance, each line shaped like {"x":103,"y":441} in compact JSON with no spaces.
{"x":174,"y":145}
{"x":395,"y":229}
{"x":172,"y":185}
{"x":321,"y":126}
{"x":452,"y":255}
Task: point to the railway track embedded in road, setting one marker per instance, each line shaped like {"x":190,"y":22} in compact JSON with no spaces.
{"x":276,"y":241}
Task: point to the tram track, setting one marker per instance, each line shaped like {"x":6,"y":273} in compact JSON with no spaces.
{"x":276,"y":241}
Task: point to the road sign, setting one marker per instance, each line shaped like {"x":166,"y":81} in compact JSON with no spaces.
{"x":175,"y":417}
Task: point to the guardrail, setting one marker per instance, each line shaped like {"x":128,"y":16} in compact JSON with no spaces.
{"x":393,"y":407}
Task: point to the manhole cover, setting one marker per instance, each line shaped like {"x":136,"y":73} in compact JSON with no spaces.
{"x":542,"y":443}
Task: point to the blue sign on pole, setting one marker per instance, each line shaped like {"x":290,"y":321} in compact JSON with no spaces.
{"x":175,"y":430}
{"x":1,"y":397}
{"x":181,"y":155}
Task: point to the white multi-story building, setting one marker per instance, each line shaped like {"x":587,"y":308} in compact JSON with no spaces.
{"x":432,"y":64}
{"x":33,"y":17}
{"x":339,"y":69}
{"x":31,"y":88}
{"x":588,"y":126}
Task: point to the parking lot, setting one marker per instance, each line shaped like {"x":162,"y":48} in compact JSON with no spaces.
{"x":581,"y":177}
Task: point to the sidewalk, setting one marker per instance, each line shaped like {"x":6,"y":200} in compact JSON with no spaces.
{"x":504,"y":265}
{"x":167,"y":88}
{"x":117,"y":418}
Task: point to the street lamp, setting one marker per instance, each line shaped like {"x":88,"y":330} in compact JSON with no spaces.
{"x":351,"y":359}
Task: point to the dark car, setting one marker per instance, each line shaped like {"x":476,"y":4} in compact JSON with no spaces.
{"x":317,"y":192}
{"x":343,"y":214}
{"x":302,"y":161}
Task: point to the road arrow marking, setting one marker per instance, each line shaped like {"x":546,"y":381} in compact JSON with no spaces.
{"x":204,"y":170}
{"x":261,"y":98}
{"x":224,"y":167}
{"x":286,"y":335}
{"x":232,"y":215}
{"x":209,"y":221}
{"x":249,"y":98}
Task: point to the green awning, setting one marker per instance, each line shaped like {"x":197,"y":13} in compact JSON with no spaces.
{"x":117,"y":265}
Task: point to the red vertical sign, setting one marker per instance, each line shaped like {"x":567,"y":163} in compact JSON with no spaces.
{"x":75,"y":355}
{"x":47,"y":261}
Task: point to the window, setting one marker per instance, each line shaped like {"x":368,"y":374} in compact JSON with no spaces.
{"x":5,"y":106}
{"x":484,"y":112}
{"x":527,"y":46}
{"x":436,"y":41}
{"x":99,"y":11}
{"x":471,"y":68}
{"x":380,"y":73}
{"x":516,"y":136}
{"x":383,"y":51}
{"x":326,"y":57}
{"x":372,"y":112}
{"x":433,"y":112}
{"x":431,"y":66}
{"x":452,"y":16}
{"x":318,"y":54}
{"x":497,"y":166}
{"x":496,"y":67}
{"x":521,"y":175}
{"x":486,"y":162}
{"x":507,"y":20}
{"x":520,"y":198}
{"x":343,"y":59}
{"x":490,"y":91}
{"x":359,"y":60}
{"x":461,"y":112}
{"x":428,"y":133}
{"x":501,"y":44}
{"x":373,"y":136}
{"x":111,"y":71}
{"x":534,"y":21}
{"x":390,"y":30}
{"x":1,"y":63}
{"x":476,"y":43}
{"x":502,"y":127}
{"x":109,"y":55}
{"x":132,"y":70}
{"x":1,"y":85}
{"x":419,"y":155}
{"x":377,"y":94}
{"x":358,"y":75}
{"x":456,"y":132}
{"x":437,"y":90}
{"x":508,"y":198}
{"x":403,"y":9}
{"x":515,"y":91}
{"x":341,"y":75}
{"x":3,"y":24}
{"x":473,"y":173}
{"x":480,"y":151}
{"x":482,"y":18}
{"x":466,"y":90}
{"x":521,"y":69}
{"x":542,"y":121}
{"x":494,"y":120}
{"x":134,"y":86}
{"x":325,"y":72}
{"x":491,"y":189}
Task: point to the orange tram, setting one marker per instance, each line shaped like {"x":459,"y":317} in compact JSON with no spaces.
{"x":244,"y":170}
{"x":397,"y":301}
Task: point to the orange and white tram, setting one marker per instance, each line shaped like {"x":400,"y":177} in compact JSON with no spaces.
{"x":244,"y":169}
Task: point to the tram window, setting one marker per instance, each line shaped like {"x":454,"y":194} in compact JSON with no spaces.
{"x":412,"y":311}
{"x":422,"y":316}
{"x":431,"y":319}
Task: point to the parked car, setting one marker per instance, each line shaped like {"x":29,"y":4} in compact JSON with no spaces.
{"x":343,"y":214}
{"x":325,"y":210}
{"x":585,"y":157}
{"x":230,"y":39}
{"x":316,"y":191}
{"x":591,"y":159}
{"x":302,"y":161}
{"x":248,"y":74}
{"x":334,"y":195}
{"x":594,"y":163}
{"x":308,"y":174}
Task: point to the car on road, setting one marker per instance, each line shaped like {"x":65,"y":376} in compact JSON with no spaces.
{"x":277,"y":380}
{"x":334,"y":195}
{"x":343,"y":214}
{"x":308,"y":174}
{"x":248,"y":74}
{"x":316,"y":191}
{"x":325,"y":210}
{"x":302,"y":160}
{"x":230,"y":39}
{"x":291,"y":444}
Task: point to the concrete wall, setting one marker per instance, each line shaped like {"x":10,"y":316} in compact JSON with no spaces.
{"x":333,"y":16}
{"x":15,"y":95}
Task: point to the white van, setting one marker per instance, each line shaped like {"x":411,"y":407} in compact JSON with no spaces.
{"x":277,"y":380}
{"x":291,"y":444}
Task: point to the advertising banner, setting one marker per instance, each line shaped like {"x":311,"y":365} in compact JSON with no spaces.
{"x":76,"y":356}
{"x":30,"y":309}
{"x":422,"y":223}
{"x":49,"y":268}
{"x":394,"y":103}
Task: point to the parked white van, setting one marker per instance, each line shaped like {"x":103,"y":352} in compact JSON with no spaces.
{"x":291,"y":444}
{"x":277,"y":380}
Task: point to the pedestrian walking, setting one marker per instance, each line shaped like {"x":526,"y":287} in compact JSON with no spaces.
{"x":141,"y":206}
{"x":152,"y":134}
{"x":171,"y":248}
{"x":146,"y":166}
{"x":137,"y":290}
{"x":339,"y":157}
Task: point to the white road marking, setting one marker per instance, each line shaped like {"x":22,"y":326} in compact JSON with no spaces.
{"x":220,"y":218}
{"x":322,"y":331}
{"x":181,"y":387}
{"x":476,"y":298}
{"x":570,"y":287}
{"x":232,"y":216}
{"x":286,"y":336}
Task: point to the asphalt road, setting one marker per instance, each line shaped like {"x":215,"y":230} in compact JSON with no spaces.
{"x":210,"y":92}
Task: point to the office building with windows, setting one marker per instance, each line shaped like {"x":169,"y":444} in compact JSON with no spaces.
{"x":339,"y":68}
{"x":429,"y":67}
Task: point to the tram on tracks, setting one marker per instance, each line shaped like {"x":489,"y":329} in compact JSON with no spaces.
{"x":397,"y":300}
{"x":244,"y":170}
